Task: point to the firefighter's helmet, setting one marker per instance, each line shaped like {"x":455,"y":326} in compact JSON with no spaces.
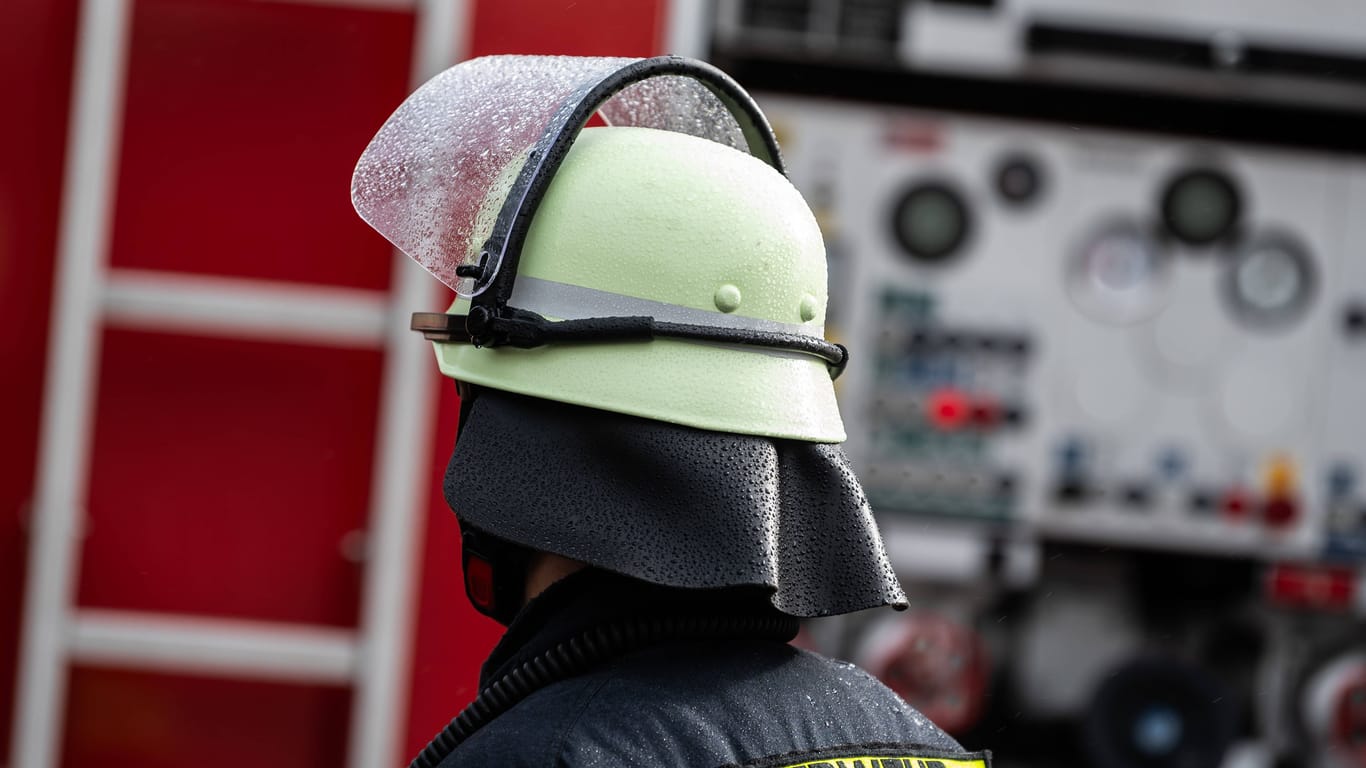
{"x":641,"y":306}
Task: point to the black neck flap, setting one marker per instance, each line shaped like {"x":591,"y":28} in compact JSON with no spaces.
{"x":673,"y":505}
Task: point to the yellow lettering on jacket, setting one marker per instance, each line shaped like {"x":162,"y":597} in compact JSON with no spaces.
{"x":897,"y":761}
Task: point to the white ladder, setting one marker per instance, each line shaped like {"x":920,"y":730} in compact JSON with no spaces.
{"x":373,"y":659}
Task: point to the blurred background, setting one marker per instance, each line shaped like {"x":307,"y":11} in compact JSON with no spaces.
{"x":1102,"y":266}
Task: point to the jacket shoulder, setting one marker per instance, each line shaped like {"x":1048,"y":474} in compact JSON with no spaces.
{"x":739,"y":704}
{"x":533,"y":732}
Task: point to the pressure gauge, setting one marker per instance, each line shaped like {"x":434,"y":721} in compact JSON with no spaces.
{"x":931,"y":222}
{"x":1118,"y":275}
{"x":1019,"y":179}
{"x":1270,"y":282}
{"x":1201,"y":206}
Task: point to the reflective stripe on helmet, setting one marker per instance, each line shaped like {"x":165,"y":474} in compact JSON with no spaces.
{"x":576,"y":302}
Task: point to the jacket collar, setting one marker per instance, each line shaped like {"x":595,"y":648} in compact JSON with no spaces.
{"x":592,"y":597}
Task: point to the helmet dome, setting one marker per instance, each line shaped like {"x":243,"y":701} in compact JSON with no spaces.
{"x":646,"y":222}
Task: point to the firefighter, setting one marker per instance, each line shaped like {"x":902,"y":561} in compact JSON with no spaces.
{"x":647,"y":473}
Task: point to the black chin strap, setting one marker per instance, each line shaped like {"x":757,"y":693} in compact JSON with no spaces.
{"x":526,"y":330}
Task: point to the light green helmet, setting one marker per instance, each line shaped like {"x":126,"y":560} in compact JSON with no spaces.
{"x":644,"y":222}
{"x":641,"y":312}
{"x":654,"y":268}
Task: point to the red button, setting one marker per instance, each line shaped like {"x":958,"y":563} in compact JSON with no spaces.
{"x":985,"y":414}
{"x":947,"y":409}
{"x":1236,"y":504}
{"x":1280,"y":512}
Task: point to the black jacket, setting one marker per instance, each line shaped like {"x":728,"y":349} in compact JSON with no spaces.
{"x":740,"y":701}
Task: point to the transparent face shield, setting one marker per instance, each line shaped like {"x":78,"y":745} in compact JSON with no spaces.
{"x":455,"y":175}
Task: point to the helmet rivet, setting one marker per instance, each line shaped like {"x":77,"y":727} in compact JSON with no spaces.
{"x":808,"y":307}
{"x":727,"y":298}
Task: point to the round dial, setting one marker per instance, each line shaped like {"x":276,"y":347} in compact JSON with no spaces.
{"x":1201,"y":206}
{"x":1019,"y":180}
{"x":1118,"y":276}
{"x":1270,"y":282}
{"x":931,"y":222}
